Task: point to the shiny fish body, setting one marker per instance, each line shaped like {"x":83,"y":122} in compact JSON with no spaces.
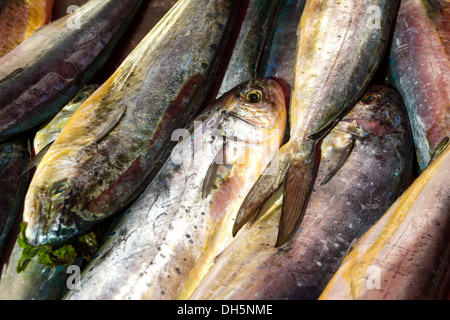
{"x":14,"y":156}
{"x":404,"y":256}
{"x":167,"y":241}
{"x":420,"y":63}
{"x":48,"y":133}
{"x":377,"y":169}
{"x":281,"y":51}
{"x":338,"y":53}
{"x":110,"y":148}
{"x":42,"y":74}
{"x":19,"y":19}
{"x":249,"y":45}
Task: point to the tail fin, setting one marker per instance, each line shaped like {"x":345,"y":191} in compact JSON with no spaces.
{"x":298,"y":186}
{"x":297,"y":173}
{"x":271,"y":179}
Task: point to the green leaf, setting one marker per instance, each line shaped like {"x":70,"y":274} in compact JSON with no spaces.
{"x":66,"y":255}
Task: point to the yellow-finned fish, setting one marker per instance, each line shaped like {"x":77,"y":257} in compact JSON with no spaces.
{"x":420,"y":65}
{"x":340,"y":46}
{"x":117,"y":140}
{"x":166,"y":242}
{"x":367,"y":163}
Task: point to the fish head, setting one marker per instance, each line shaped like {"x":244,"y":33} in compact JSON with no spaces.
{"x":52,"y":206}
{"x":380,"y":112}
{"x":255,"y":104}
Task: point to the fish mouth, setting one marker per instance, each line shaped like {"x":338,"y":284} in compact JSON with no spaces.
{"x":51,"y":228}
{"x":50,"y":234}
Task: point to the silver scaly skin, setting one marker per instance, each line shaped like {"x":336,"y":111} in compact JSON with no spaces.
{"x":168,"y":239}
{"x":115,"y":142}
{"x":338,"y":52}
{"x":366,"y":164}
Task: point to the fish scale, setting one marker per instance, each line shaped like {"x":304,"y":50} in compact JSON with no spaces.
{"x":19,"y":19}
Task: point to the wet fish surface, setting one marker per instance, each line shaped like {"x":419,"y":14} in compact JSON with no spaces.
{"x":338,"y":53}
{"x":404,"y":256}
{"x":249,"y":46}
{"x":14,"y":156}
{"x":171,"y":234}
{"x":111,"y":146}
{"x":366,"y":164}
{"x":420,"y":64}
{"x":48,"y":132}
{"x":19,"y":19}
{"x":42,"y":74}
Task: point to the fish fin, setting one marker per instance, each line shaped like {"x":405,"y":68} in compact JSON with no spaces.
{"x":218,"y":256}
{"x":439,"y":149}
{"x":298,"y":187}
{"x":352,"y":246}
{"x":322,"y":132}
{"x":208,"y":182}
{"x":212,"y":173}
{"x":37,"y":159}
{"x":270,"y":181}
{"x":337,"y":158}
{"x":111,"y":122}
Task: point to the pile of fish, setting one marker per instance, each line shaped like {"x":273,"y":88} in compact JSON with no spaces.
{"x":246,"y":149}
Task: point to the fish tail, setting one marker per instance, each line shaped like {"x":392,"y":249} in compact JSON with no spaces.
{"x":298,"y":186}
{"x":267,"y":184}
{"x":296,"y":171}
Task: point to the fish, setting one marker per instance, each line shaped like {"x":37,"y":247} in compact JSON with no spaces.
{"x":419,"y":61}
{"x":48,"y":132}
{"x":249,"y":45}
{"x":281,"y":50}
{"x":42,"y":74}
{"x":339,"y":50}
{"x":19,"y":19}
{"x":404,"y":256}
{"x":366,"y":164}
{"x":14,"y":156}
{"x":280,"y":53}
{"x":118,"y":139}
{"x":165,"y":243}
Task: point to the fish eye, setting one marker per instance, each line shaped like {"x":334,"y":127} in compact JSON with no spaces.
{"x":59,"y":190}
{"x":371,"y":98}
{"x":79,"y":97}
{"x":253,"y":96}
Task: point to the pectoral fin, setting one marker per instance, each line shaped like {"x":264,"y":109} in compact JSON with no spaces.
{"x":336,"y":158}
{"x":110,"y":123}
{"x":217,"y":171}
{"x":440,"y":148}
{"x":37,"y":159}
